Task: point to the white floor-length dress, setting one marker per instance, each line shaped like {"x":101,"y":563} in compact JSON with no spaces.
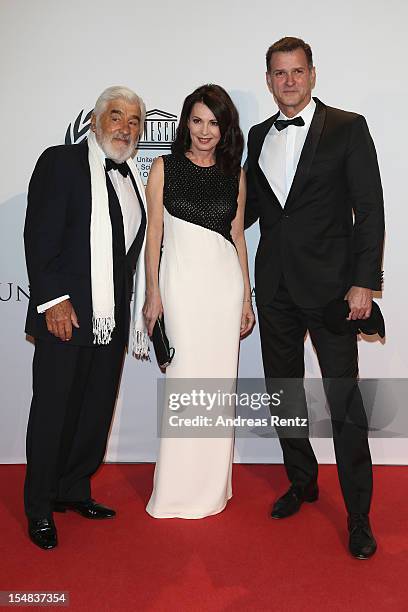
{"x":202,"y":289}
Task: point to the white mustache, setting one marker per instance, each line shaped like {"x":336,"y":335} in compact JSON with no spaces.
{"x":124,"y":137}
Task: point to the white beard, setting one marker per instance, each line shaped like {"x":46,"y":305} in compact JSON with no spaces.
{"x":105,"y":142}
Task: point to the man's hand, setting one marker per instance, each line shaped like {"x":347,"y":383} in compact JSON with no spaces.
{"x":60,"y":319}
{"x":359,"y":300}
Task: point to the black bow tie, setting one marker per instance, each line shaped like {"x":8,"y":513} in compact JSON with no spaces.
{"x":281,"y":124}
{"x":111,"y":165}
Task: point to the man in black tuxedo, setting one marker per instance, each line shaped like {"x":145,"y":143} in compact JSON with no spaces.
{"x":84,"y":230}
{"x":314,"y":183}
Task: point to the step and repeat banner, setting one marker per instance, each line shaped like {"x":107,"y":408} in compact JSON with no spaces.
{"x":56,"y":59}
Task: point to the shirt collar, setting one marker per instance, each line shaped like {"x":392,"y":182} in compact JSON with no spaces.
{"x":306,"y":113}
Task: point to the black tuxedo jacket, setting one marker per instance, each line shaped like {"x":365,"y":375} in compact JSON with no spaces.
{"x":57,"y":241}
{"x":329,"y":235}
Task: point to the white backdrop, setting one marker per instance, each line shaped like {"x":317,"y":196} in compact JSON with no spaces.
{"x":56,"y":59}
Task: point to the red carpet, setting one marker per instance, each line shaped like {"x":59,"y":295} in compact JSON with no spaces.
{"x":238,"y":560}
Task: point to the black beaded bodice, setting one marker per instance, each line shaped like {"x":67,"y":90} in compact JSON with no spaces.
{"x":200,"y":195}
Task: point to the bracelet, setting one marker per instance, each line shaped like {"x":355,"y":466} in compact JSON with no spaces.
{"x":247,"y":300}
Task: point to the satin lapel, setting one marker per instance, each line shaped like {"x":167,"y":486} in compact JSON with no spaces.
{"x":139,"y":197}
{"x":138,"y":187}
{"x":258,"y":149}
{"x":112,"y":195}
{"x":308,"y":153}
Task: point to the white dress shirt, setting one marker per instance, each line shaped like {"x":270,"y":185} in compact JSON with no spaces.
{"x":131,"y":214}
{"x":281,"y":152}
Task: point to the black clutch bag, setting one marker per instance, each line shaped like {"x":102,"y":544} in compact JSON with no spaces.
{"x":164,"y":353}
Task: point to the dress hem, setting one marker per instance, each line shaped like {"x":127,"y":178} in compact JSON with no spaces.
{"x":189,"y":516}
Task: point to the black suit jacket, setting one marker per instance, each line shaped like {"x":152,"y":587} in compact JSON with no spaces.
{"x":57,"y":241}
{"x":329,"y":235}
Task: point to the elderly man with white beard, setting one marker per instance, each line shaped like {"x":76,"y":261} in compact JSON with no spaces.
{"x":84,"y":237}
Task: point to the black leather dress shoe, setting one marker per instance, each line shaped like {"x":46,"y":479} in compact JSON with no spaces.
{"x":43,"y":532}
{"x":290,"y":503}
{"x":89,"y":509}
{"x":362,"y":544}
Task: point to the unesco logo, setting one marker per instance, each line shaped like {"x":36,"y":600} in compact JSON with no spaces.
{"x":159,"y":130}
{"x":158,"y":134}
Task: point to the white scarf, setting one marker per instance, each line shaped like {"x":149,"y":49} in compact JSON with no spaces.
{"x":103,"y":301}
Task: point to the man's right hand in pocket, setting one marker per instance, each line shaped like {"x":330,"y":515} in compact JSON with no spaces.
{"x":60,"y":319}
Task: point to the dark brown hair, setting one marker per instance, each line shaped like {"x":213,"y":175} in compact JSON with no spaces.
{"x":287,"y":44}
{"x":228,"y":152}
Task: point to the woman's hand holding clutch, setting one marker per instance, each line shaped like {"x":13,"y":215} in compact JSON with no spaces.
{"x":152,"y":309}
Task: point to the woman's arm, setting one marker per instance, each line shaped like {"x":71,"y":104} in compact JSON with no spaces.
{"x":153,"y":307}
{"x":237,"y":233}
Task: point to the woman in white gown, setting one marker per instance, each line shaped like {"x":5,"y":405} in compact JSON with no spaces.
{"x":196,"y":200}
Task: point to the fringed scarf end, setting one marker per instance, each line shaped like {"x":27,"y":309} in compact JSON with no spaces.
{"x":102,"y":328}
{"x":140,"y":344}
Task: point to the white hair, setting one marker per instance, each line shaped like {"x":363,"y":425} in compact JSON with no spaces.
{"x":115,"y":92}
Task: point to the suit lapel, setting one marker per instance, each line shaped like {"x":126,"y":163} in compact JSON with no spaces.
{"x":135,"y":247}
{"x":307,"y":155}
{"x":139,"y":197}
{"x":258,"y":149}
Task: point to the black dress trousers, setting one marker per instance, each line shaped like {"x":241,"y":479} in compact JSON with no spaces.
{"x":283,"y":326}
{"x":74,"y":393}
